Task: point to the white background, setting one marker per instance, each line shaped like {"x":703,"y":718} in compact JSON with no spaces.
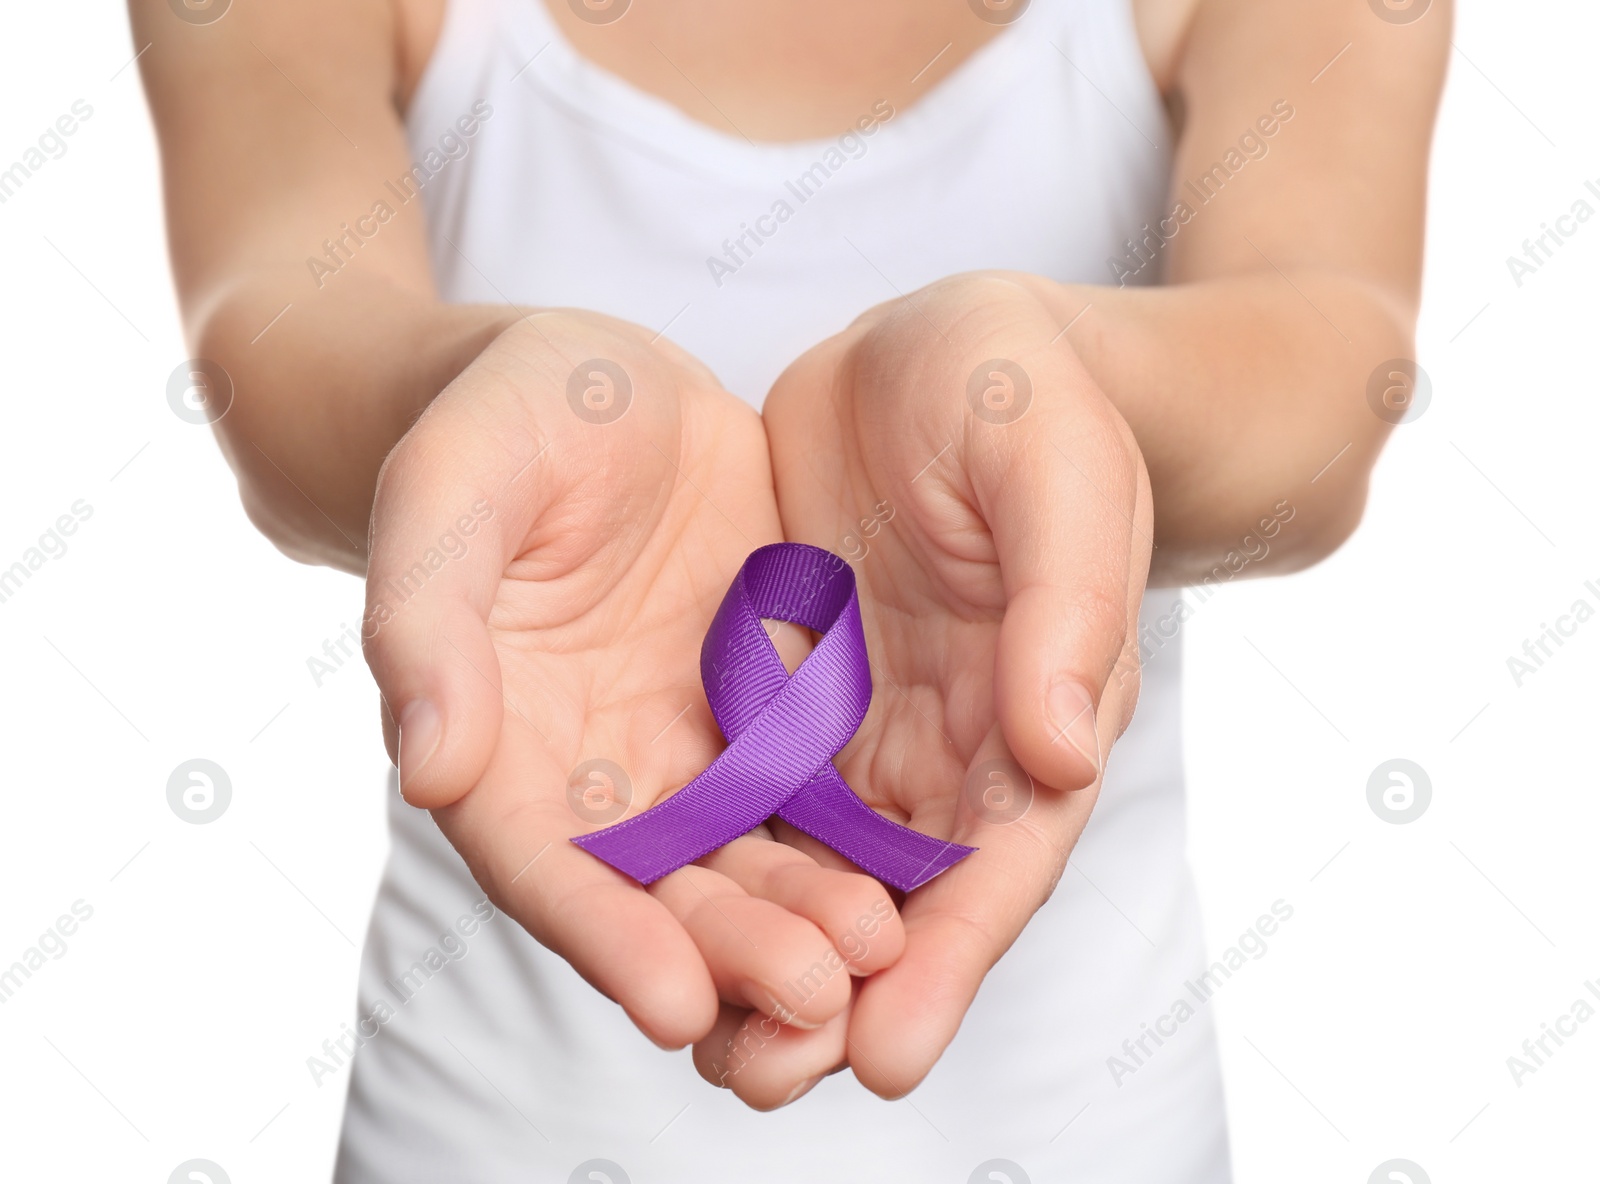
{"x":219,"y":957}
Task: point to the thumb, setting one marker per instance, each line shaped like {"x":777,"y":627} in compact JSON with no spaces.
{"x":1064,"y":498}
{"x":501,"y":450}
{"x":437,"y":553}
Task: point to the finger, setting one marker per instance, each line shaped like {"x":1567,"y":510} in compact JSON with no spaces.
{"x":819,"y":852}
{"x":767,"y":1064}
{"x":957,"y":927}
{"x":623,"y":941}
{"x":850,"y":907}
{"x":759,"y":954}
{"x":710,"y":1051}
{"x":1059,"y":489}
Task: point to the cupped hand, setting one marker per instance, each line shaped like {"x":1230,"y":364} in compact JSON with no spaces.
{"x":549,"y":543}
{"x":996,"y":509}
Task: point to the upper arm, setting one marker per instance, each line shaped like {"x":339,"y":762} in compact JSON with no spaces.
{"x":278,"y":129}
{"x":1307,"y":165}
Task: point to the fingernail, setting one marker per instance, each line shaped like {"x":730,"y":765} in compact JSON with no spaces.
{"x":420,"y":732}
{"x":1072,"y":721}
{"x":800,"y":1089}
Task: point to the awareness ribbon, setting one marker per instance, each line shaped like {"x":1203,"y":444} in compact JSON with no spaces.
{"x":783,"y":731}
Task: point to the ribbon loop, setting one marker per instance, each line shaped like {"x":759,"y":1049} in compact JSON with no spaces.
{"x":783,"y":731}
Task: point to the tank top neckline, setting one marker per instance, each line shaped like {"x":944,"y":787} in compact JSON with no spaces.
{"x":548,"y":62}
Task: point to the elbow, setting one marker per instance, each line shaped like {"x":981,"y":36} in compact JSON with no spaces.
{"x":265,"y":493}
{"x":1367,"y":401}
{"x":281,"y":511}
{"x":250,"y":431}
{"x":1321,"y":526}
{"x":291,"y":534}
{"x":1289,"y":487}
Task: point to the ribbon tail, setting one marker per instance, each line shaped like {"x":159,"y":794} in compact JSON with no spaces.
{"x":722,"y":803}
{"x":829,"y":811}
{"x":669,"y":841}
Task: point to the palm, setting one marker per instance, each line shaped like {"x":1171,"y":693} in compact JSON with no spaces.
{"x":931,"y":629}
{"x":957,"y":527}
{"x":565,"y":644}
{"x":598,"y":648}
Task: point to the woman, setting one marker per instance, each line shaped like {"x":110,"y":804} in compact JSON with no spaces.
{"x":507,"y":280}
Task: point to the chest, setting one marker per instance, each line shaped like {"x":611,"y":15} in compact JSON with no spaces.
{"x":1043,"y":152}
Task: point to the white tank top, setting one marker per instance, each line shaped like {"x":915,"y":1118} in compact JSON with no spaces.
{"x":480,"y":1056}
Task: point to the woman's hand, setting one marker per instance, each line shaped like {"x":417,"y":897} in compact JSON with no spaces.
{"x":998,"y":515}
{"x":549,"y":543}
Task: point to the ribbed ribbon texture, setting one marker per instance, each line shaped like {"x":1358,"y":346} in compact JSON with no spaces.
{"x":783,"y":731}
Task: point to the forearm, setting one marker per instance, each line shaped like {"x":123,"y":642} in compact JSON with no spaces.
{"x":323,"y":394}
{"x":1245,"y":378}
{"x":300,"y":269}
{"x":1243,"y":394}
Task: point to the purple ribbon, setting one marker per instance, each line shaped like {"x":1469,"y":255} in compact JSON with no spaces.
{"x":783,"y":731}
